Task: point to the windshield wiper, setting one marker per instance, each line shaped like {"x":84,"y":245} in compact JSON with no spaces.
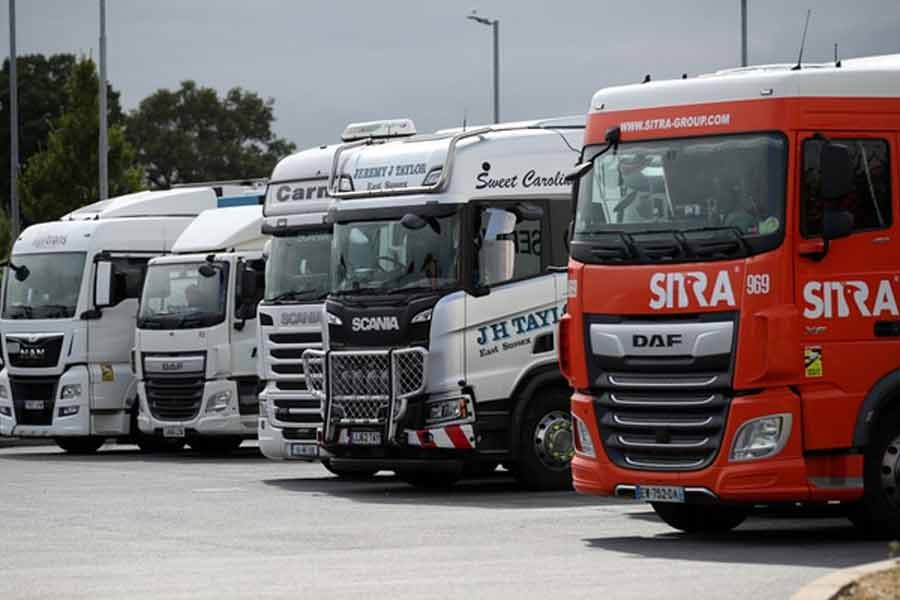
{"x":414,"y":289}
{"x":363,"y":291}
{"x":295,"y":295}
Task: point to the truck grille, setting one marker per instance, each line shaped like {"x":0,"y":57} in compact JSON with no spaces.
{"x":293,"y":404}
{"x":174,"y":398}
{"x":33,"y":389}
{"x":34,"y":351}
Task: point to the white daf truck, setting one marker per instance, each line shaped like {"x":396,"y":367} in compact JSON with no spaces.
{"x":440,"y":351}
{"x":195,"y":345}
{"x":70,"y":296}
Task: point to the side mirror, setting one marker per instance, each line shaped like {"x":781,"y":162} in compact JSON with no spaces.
{"x":267,"y":249}
{"x":496,"y":261}
{"x":103,"y":283}
{"x":836,"y":224}
{"x":248,"y":285}
{"x":836,"y":167}
{"x":500,"y":222}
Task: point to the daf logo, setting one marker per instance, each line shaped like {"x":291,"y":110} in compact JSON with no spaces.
{"x":172,"y":366}
{"x":375,"y":324}
{"x":656,"y":340}
{"x":300,"y":318}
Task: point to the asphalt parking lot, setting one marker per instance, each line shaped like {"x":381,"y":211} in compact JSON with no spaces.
{"x":124,"y":525}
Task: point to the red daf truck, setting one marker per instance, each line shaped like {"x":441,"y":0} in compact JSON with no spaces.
{"x":732,"y":328}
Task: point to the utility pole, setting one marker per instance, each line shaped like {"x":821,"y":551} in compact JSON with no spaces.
{"x":14,"y":219}
{"x":744,"y":62}
{"x":495,"y":26}
{"x":104,"y":138}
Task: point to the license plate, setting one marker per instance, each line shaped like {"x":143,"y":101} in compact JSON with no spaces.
{"x":34,"y":405}
{"x":659,"y":493}
{"x":365,"y":438}
{"x":303,"y":451}
{"x":173,"y":432}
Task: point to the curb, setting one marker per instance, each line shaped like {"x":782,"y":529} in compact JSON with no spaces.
{"x":832,"y":584}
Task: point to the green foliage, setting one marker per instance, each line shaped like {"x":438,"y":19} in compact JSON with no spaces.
{"x":893,"y":549}
{"x":192,"y":135}
{"x":42,"y":100}
{"x":65,"y":174}
{"x":5,"y":241}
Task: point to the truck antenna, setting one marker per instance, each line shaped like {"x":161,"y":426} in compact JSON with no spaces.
{"x":837,"y":60}
{"x":464,"y":117}
{"x":803,"y":41}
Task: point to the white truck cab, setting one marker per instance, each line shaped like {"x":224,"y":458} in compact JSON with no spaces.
{"x":440,"y":353}
{"x":70,"y":296}
{"x":195,"y":345}
{"x":289,"y":315}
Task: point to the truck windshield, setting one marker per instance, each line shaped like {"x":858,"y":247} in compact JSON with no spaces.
{"x":46,"y":286}
{"x":408,"y":254}
{"x":297,"y":269}
{"x":709,"y":197}
{"x":184,"y":295}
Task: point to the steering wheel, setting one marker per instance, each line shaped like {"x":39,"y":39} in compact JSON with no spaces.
{"x":378,"y":260}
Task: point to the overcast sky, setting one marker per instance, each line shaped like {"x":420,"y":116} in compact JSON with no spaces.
{"x":330,"y":62}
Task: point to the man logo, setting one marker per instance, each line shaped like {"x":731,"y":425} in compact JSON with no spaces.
{"x":301,"y":318}
{"x":375,"y":324}
{"x":657,"y":340}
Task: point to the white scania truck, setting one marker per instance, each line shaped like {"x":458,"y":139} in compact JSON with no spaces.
{"x":195,"y":345}
{"x":70,"y":296}
{"x":440,"y":351}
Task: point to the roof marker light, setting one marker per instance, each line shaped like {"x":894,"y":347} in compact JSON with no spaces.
{"x":390,"y":128}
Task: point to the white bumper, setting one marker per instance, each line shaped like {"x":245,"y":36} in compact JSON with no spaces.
{"x":70,"y":417}
{"x":215,"y":417}
{"x":272,"y":441}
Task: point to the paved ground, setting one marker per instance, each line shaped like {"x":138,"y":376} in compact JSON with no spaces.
{"x":122,"y":525}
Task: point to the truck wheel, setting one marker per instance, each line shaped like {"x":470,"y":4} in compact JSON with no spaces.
{"x":350,"y":473}
{"x":545,"y":441}
{"x":700,"y":518}
{"x":216,"y":445}
{"x":878,"y":513}
{"x":80,"y":445}
{"x":428,"y":479}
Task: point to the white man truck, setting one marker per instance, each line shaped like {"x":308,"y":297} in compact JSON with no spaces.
{"x":70,"y":296}
{"x":289,"y":315}
{"x":195,"y":345}
{"x":440,"y":353}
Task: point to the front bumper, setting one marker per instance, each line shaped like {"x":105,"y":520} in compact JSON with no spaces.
{"x":286,"y":441}
{"x":788,"y":476}
{"x":208,"y":422}
{"x":61,"y":424}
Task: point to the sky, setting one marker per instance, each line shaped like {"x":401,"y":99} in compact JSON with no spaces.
{"x":330,"y":62}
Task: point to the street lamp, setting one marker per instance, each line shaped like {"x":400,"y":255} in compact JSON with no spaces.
{"x":495,"y":25}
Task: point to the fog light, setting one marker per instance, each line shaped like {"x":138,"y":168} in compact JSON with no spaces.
{"x":583,"y":442}
{"x":70,"y":391}
{"x":6,"y":411}
{"x":218,"y":401}
{"x":452,"y":409}
{"x":761,"y":438}
{"x":67,"y":411}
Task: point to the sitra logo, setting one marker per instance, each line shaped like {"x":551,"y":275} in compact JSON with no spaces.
{"x":827,"y":299}
{"x":375,"y":324}
{"x":681,"y":290}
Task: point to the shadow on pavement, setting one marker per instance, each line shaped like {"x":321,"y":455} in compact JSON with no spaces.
{"x":499,"y":490}
{"x":112,"y":453}
{"x":810,"y":542}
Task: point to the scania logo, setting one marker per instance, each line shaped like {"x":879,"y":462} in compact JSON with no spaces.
{"x":172,"y":366}
{"x":656,"y":340}
{"x":309,"y":317}
{"x":375,"y":324}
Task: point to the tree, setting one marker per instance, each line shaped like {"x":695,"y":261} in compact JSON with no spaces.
{"x":191,"y":135}
{"x":42,"y":98}
{"x":65,"y":175}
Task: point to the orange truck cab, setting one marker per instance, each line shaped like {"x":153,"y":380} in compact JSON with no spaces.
{"x":732,"y":331}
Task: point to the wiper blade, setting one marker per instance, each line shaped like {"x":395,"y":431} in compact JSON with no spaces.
{"x":412,"y":289}
{"x":296,"y":295}
{"x":366,"y":291}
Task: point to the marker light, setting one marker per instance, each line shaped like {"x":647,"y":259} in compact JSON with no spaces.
{"x":388,"y":128}
{"x":583,"y":442}
{"x":761,"y":438}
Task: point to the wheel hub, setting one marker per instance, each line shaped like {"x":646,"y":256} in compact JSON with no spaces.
{"x":553,"y":440}
{"x":890,"y":473}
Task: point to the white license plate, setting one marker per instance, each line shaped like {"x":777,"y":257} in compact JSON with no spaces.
{"x":365,"y":438}
{"x":303,"y":450}
{"x":173,"y":432}
{"x":659,"y":493}
{"x":34,"y":405}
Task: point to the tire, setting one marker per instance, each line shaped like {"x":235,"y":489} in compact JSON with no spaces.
{"x":545,"y":441}
{"x":701,"y":518}
{"x":349,"y":473}
{"x":877,"y":515}
{"x":80,"y":445}
{"x":428,"y":479}
{"x":216,"y":445}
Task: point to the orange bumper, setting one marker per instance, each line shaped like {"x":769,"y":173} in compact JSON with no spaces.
{"x":789,"y":476}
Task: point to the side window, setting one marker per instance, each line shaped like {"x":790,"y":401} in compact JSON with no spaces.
{"x":258,"y":268}
{"x":128,"y":277}
{"x":526,"y":240}
{"x":870,"y":202}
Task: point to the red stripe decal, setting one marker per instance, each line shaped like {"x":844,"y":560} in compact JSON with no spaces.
{"x":425,"y":439}
{"x":456,"y":435}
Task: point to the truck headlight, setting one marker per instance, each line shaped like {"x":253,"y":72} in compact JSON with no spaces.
{"x":218,"y":401}
{"x":70,"y":392}
{"x":333,"y":319}
{"x":762,"y":437}
{"x":422,"y":317}
{"x":6,"y":411}
{"x":67,"y":411}
{"x":583,"y":442}
{"x":452,"y":409}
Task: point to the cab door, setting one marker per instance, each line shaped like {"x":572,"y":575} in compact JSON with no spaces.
{"x":847,"y":288}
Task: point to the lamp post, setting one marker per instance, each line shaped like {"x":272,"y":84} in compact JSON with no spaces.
{"x":104,"y":139}
{"x":744,"y":59}
{"x":495,"y":26}
{"x":14,"y":218}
